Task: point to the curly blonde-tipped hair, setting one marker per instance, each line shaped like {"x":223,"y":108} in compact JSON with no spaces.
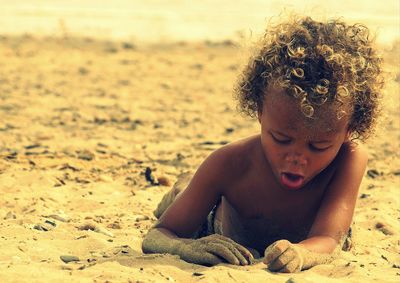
{"x":316,"y":63}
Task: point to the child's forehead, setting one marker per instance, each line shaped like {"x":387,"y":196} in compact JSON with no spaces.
{"x":287,"y":110}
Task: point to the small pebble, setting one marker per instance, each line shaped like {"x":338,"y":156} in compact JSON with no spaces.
{"x":141,"y":218}
{"x":82,"y":267}
{"x":95,"y":228}
{"x":291,"y":280}
{"x":10,"y":215}
{"x":58,"y":217}
{"x":229,"y":130}
{"x":114,"y":225}
{"x":44,"y":227}
{"x":21,"y":248}
{"x":105,"y":255}
{"x":197,"y":274}
{"x":85,"y":155}
{"x":32,"y":146}
{"x":164,"y":181}
{"x":396,"y":173}
{"x":69,"y":258}
{"x":87,"y":226}
{"x":373,"y":173}
{"x":52,"y":223}
{"x":384,"y":229}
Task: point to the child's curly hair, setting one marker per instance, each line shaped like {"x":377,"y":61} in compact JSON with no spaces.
{"x":316,"y":63}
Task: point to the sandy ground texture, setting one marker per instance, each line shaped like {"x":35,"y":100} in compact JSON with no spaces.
{"x":92,"y":133}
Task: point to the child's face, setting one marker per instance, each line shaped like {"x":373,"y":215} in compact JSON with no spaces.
{"x":299,"y":148}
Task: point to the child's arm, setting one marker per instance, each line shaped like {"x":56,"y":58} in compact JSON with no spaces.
{"x":178,"y":223}
{"x":209,"y":250}
{"x":332,"y":221}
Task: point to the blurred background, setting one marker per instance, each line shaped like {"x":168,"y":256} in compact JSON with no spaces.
{"x":172,"y":20}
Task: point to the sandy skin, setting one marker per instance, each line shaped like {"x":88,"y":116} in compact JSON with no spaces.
{"x":271,"y":190}
{"x":280,"y":256}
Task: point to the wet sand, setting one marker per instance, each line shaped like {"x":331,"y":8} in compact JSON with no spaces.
{"x":92,"y":133}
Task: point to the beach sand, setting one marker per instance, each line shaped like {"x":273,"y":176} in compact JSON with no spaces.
{"x":93,"y":133}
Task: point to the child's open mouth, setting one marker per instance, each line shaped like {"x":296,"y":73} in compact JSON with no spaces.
{"x":292,"y":181}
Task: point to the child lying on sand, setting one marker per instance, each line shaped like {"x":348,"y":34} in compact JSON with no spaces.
{"x":289,"y":192}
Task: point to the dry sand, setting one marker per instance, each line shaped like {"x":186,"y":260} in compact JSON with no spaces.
{"x":81,"y":121}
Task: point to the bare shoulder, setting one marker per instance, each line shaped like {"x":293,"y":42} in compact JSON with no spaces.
{"x":205,"y":188}
{"x":222,"y":166}
{"x":352,"y":162}
{"x":235,"y":158}
{"x":238,"y":150}
{"x":353,"y":154}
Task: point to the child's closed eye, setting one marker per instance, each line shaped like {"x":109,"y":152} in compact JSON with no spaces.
{"x":280,"y":140}
{"x":319,"y":147}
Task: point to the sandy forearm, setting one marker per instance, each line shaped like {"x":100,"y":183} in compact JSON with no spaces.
{"x":160,"y":240}
{"x":209,"y":250}
{"x":318,"y":250}
{"x":311,"y":258}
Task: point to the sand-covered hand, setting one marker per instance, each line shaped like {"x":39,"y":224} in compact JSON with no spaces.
{"x":283,"y":256}
{"x":215,"y":249}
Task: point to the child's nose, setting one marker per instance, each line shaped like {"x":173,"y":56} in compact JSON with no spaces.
{"x":296,"y":159}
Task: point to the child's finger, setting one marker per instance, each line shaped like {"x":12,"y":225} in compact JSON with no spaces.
{"x":246,"y":253}
{"x":223,"y":252}
{"x":287,"y":256}
{"x":292,"y":266}
{"x":234,"y":249}
{"x":273,"y":251}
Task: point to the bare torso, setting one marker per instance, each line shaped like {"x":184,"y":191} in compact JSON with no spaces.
{"x":255,"y":210}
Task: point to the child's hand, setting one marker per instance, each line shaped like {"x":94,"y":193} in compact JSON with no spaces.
{"x":283,"y":256}
{"x":214,"y":249}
